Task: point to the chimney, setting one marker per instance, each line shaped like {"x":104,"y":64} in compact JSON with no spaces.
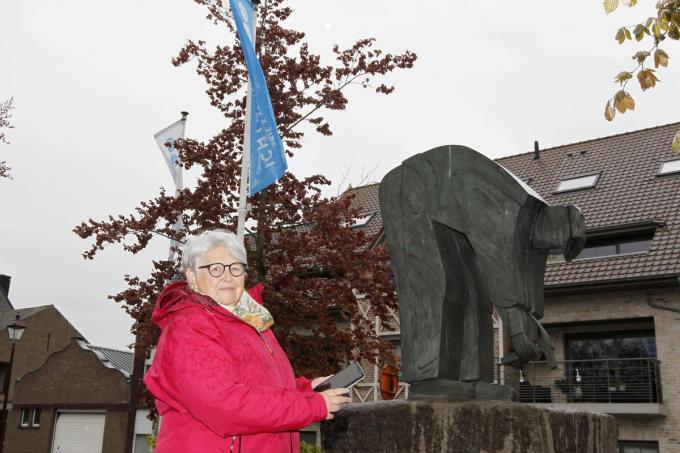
{"x":4,"y":283}
{"x":537,"y":154}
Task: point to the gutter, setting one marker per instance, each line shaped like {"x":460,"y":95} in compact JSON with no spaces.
{"x":613,"y":284}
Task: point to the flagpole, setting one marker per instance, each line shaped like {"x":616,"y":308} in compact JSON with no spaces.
{"x":245,"y":159}
{"x":180,"y":183}
{"x":178,"y":188}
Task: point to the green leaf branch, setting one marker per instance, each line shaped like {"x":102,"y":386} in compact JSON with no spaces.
{"x":665,"y":26}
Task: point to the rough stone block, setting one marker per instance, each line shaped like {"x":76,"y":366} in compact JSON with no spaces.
{"x":467,"y":427}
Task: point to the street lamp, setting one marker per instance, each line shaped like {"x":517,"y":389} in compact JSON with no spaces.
{"x":15,"y":331}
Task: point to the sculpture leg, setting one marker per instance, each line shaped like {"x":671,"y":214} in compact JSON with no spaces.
{"x":466,"y":348}
{"x":466,"y":352}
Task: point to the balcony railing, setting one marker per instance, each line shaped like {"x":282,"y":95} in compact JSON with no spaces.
{"x":590,"y":381}
{"x":371,"y":392}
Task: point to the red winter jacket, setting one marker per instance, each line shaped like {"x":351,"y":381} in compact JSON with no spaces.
{"x":220,"y":386}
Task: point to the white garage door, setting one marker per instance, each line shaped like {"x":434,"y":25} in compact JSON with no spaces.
{"x":77,"y":432}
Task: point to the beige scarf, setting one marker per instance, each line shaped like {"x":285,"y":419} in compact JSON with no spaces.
{"x":252,"y":313}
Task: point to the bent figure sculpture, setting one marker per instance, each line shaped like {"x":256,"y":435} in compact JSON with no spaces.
{"x":465,"y":234}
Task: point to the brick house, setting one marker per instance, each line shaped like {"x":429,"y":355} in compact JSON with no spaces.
{"x":613,"y":313}
{"x":64,"y":391}
{"x":78,"y":394}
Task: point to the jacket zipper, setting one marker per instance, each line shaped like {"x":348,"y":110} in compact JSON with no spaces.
{"x":271,"y":352}
{"x":231,"y":447}
{"x":265,"y":342}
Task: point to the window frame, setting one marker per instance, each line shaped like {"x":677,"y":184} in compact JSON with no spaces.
{"x":607,"y":334}
{"x":137,"y":440}
{"x":363,"y":220}
{"x":616,"y":237}
{"x":27,"y":424}
{"x":597,"y":175}
{"x":637,"y":443}
{"x":37,"y":411}
{"x":660,"y":171}
{"x":616,"y":242}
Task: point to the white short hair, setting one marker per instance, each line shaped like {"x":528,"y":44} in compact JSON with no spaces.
{"x":199,"y":244}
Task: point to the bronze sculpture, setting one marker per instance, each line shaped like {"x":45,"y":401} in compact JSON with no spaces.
{"x":465,"y":234}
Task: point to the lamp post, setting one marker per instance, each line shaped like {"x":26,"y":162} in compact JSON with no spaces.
{"x":15,"y":331}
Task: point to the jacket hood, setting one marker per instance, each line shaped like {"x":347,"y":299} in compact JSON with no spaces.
{"x":177,"y":297}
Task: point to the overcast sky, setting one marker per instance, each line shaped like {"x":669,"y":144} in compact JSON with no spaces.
{"x":92,"y":82}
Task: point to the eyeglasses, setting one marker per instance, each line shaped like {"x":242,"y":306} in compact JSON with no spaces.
{"x":217,"y":269}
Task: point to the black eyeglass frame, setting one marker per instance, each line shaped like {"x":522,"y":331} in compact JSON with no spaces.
{"x":225,"y":266}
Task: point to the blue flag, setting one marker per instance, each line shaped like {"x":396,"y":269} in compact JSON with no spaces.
{"x":267,"y":158}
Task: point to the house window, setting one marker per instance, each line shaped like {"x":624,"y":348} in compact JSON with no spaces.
{"x":25,"y":417}
{"x":618,"y":245}
{"x":581,"y":182}
{"x":142,"y":443}
{"x":670,"y":166}
{"x":611,"y":345}
{"x":614,"y":367}
{"x":30,"y":418}
{"x":36,"y":418}
{"x":362,"y":221}
{"x":626,"y":446}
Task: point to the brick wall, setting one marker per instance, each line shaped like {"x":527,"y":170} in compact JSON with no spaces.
{"x":632,"y":305}
{"x":616,"y":306}
{"x":72,"y":379}
{"x":46,"y":332}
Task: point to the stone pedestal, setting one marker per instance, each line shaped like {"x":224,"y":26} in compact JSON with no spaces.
{"x":467,"y":427}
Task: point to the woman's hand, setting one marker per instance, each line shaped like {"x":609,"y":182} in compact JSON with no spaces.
{"x":335,"y":400}
{"x":319,"y":380}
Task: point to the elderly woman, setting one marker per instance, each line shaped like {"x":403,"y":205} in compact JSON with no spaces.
{"x":221,"y":381}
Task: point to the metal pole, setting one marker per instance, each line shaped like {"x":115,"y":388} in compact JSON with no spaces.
{"x":3,"y":418}
{"x":178,"y":189}
{"x":245,"y":159}
{"x":649,"y":380}
{"x":376,"y":370}
{"x":609,"y":393}
{"x":183,"y":120}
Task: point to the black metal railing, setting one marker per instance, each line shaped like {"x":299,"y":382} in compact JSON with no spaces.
{"x":582,"y":381}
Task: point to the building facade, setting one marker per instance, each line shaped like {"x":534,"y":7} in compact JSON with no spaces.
{"x":66,"y":394}
{"x":613,"y":313}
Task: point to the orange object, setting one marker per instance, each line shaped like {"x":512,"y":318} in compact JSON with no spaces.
{"x":389,"y":382}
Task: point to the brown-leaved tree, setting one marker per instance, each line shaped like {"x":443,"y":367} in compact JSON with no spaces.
{"x":655,"y":30}
{"x":303,"y":246}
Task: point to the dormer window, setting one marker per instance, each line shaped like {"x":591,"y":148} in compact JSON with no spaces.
{"x":669,"y":167}
{"x":580,"y":182}
{"x":624,"y":240}
{"x":622,"y":245}
{"x":362,"y":220}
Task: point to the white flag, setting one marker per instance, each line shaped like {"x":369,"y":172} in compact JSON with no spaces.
{"x":166,"y":142}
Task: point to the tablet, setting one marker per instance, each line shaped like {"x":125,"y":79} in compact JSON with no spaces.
{"x":342,"y":379}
